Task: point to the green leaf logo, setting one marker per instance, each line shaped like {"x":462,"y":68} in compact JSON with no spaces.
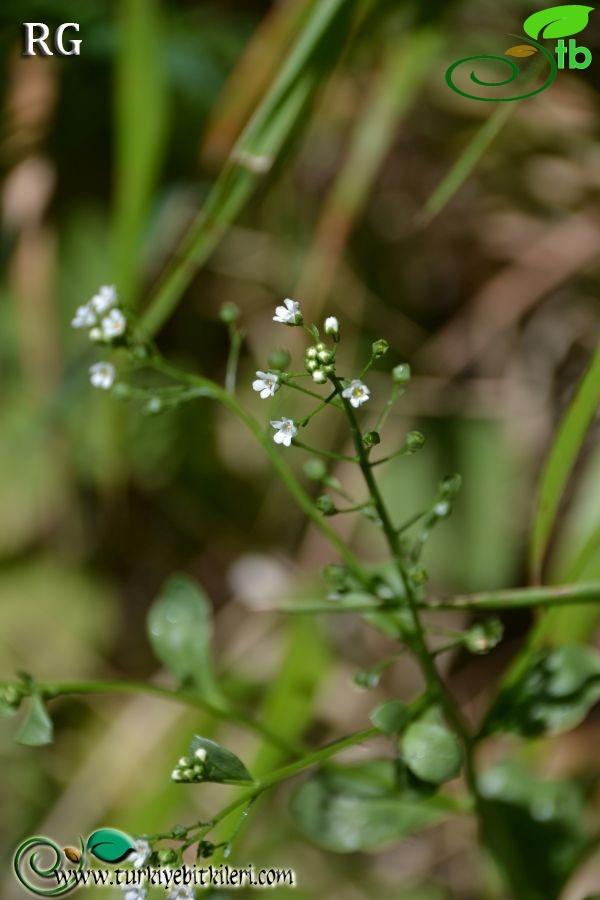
{"x":109,"y":845}
{"x":558,"y":21}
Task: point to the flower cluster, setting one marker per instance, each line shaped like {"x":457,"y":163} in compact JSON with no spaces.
{"x":319,"y":361}
{"x":106,"y":323}
{"x":190,"y":768}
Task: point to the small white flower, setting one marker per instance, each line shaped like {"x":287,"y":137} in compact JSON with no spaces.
{"x":105,"y":299}
{"x":84,"y":317}
{"x":200,"y":754}
{"x":96,"y":334}
{"x":289,"y":313}
{"x":332,"y":326}
{"x":140,"y":855}
{"x":133,"y":892}
{"x":114,"y":324}
{"x":102,"y":375}
{"x":182,"y":892}
{"x":357,"y":393}
{"x":285,"y":431}
{"x":266,"y":384}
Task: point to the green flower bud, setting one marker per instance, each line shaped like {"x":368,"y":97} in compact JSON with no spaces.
{"x":320,"y":376}
{"x":205,"y":849}
{"x":153,"y":406}
{"x":325,"y":356}
{"x":371,"y":439}
{"x":332,"y":327}
{"x":279,"y":360}
{"x":320,"y":347}
{"x":311,"y":353}
{"x":413,"y":441}
{"x":419,"y":576}
{"x":484,"y":637}
{"x":229,"y":313}
{"x":167,"y":856}
{"x":367,"y":679}
{"x":179,"y":832}
{"x":401,"y":374}
{"x":450,"y":487}
{"x":325,"y":505}
{"x":380,"y":348}
{"x":337,"y":577}
{"x":315,"y":469}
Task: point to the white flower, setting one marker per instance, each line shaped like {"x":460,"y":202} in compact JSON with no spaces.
{"x":105,"y":299}
{"x":357,"y":393}
{"x":133,"y":892}
{"x":182,"y":892}
{"x":102,"y":375}
{"x":266,"y":384}
{"x":84,"y":317}
{"x":140,"y":855}
{"x":200,"y":754}
{"x":114,"y":324}
{"x":96,"y":334}
{"x":289,"y":313}
{"x":332,"y":326}
{"x":285,"y":431}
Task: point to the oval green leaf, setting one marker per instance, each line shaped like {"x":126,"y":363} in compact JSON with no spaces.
{"x":390,"y":717}
{"x":219,"y":764}
{"x":109,"y":845}
{"x":361,"y":808}
{"x":558,"y":21}
{"x":431,"y":752}
{"x":180,"y":628}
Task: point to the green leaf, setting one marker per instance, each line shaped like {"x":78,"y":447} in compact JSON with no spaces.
{"x":554,"y":693}
{"x":180,"y":628}
{"x":219,"y":764}
{"x":37,"y":729}
{"x":360,"y":807}
{"x":390,"y":717}
{"x":526,"y":819}
{"x":558,"y":21}
{"x":431,"y":752}
{"x":562,"y":458}
{"x":109,"y":845}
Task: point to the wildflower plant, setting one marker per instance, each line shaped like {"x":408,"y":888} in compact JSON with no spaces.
{"x":432,"y":770}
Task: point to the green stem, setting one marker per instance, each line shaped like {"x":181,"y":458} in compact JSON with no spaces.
{"x":326,"y":454}
{"x":434,"y":682}
{"x":289,"y":771}
{"x":304,"y":501}
{"x":522,"y":598}
{"x":236,"y":340}
{"x":50,"y":690}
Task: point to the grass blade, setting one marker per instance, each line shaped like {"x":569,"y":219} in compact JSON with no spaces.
{"x":141,"y":125}
{"x":561,"y":460}
{"x":287,"y":101}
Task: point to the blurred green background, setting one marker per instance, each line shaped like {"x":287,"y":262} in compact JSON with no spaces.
{"x":493,"y":300}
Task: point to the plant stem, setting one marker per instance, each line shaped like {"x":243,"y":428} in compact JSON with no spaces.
{"x":434,"y":682}
{"x":53,"y":689}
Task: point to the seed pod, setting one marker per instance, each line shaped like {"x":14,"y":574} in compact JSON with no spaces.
{"x":72,"y":854}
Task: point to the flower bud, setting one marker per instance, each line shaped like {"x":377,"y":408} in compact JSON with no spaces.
{"x":167,"y":856}
{"x":205,"y":849}
{"x":367,"y":679}
{"x":279,"y":359}
{"x":311,"y":353}
{"x":229,"y":313}
{"x":450,"y":487}
{"x":401,"y":374}
{"x":371,"y":438}
{"x":419,"y":576}
{"x":483,"y":637}
{"x":320,"y":376}
{"x":413,"y":441}
{"x":311,"y":365}
{"x":325,"y":505}
{"x":315,"y":469}
{"x":332,"y":327}
{"x":380,"y":348}
{"x":325,"y":356}
{"x":337,"y":577}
